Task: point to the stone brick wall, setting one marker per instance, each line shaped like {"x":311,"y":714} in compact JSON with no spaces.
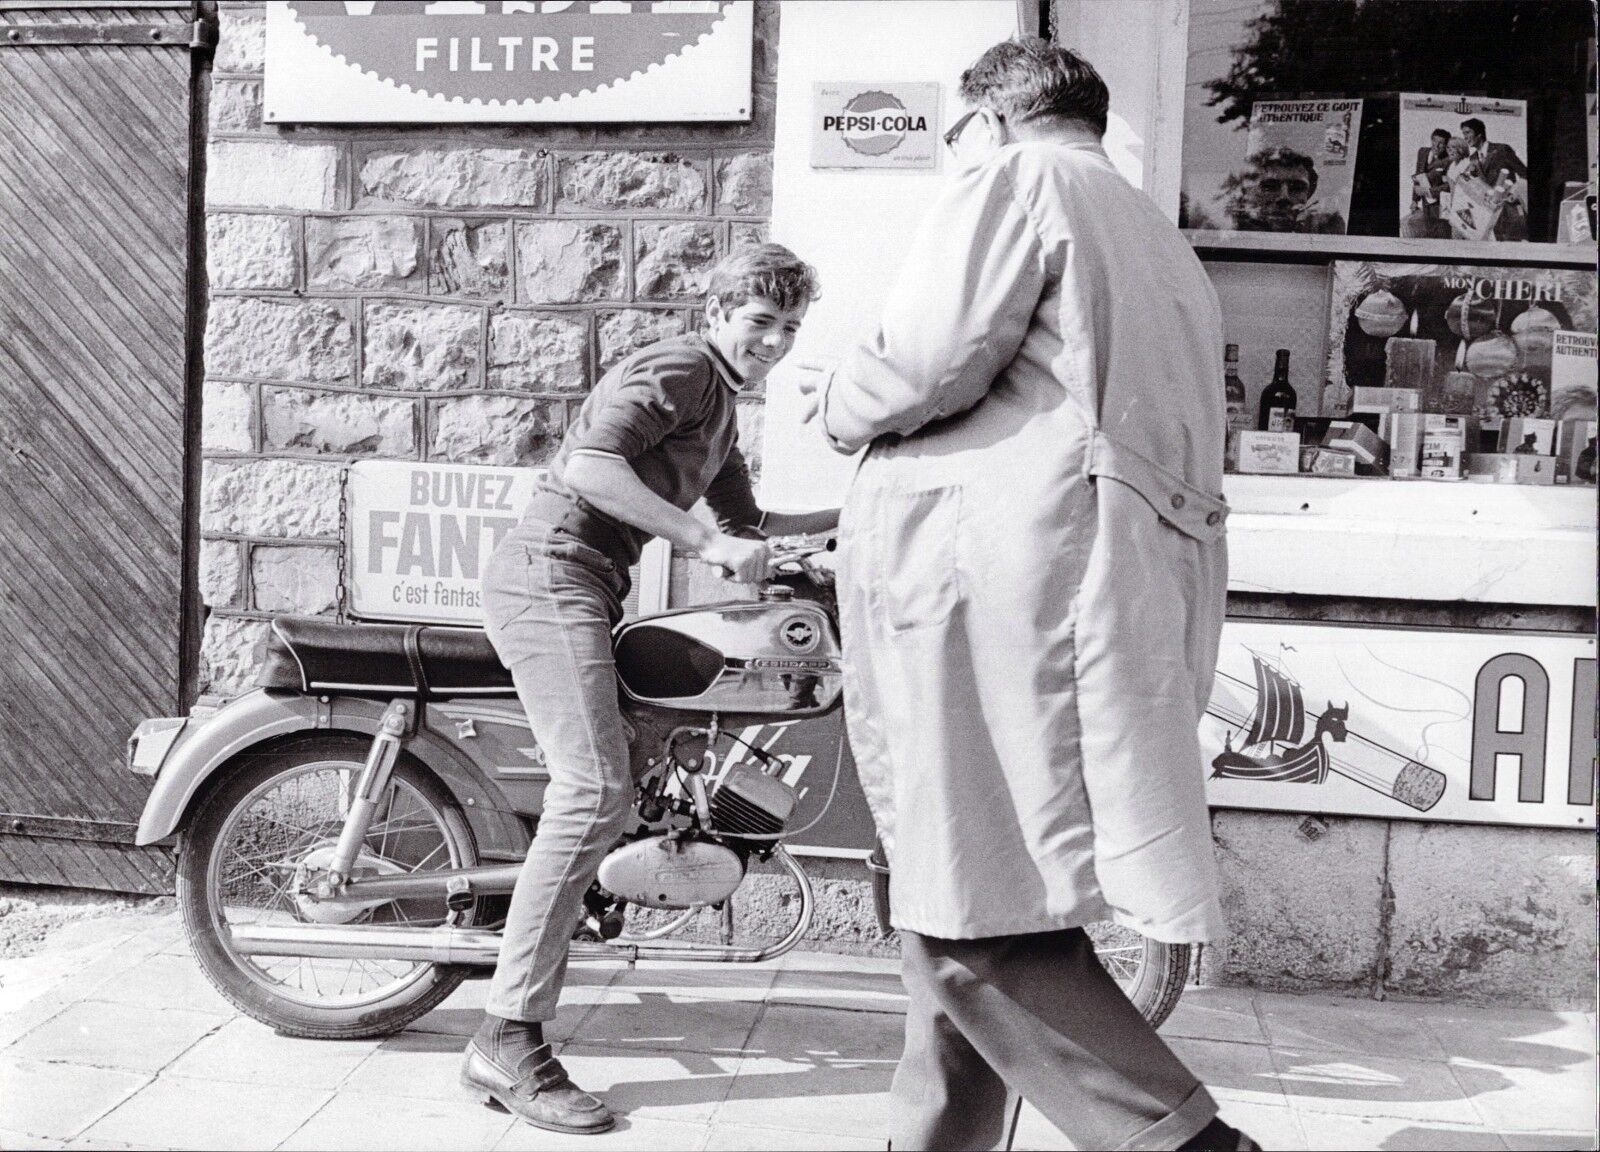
{"x":439,"y":293}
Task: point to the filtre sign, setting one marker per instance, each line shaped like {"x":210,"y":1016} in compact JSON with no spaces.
{"x":419,"y":535}
{"x":535,"y":60}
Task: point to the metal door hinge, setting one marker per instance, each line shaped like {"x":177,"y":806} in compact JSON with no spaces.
{"x":67,"y":828}
{"x":197,"y":36}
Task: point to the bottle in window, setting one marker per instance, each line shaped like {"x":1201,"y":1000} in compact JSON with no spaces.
{"x":1238,"y":411}
{"x":1278,"y":399}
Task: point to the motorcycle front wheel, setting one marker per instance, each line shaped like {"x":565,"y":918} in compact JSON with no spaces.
{"x":1150,"y":973}
{"x":237,"y":865}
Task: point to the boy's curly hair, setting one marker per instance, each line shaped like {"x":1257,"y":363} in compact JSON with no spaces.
{"x":769,"y":271}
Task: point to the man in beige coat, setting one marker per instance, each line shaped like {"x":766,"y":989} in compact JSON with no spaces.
{"x":1032,"y":579}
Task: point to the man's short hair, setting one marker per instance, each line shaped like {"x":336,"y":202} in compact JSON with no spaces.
{"x":769,"y":271}
{"x":1475,"y":125}
{"x":1030,"y":78}
{"x":1285,"y":158}
{"x":1438,"y":132}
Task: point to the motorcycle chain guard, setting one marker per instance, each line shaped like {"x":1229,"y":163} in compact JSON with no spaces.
{"x":670,"y":872}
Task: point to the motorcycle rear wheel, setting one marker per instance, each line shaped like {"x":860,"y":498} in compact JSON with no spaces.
{"x":1150,"y":973}
{"x":235,"y":865}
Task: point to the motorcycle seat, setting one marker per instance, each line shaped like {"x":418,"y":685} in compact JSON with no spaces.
{"x":312,"y":655}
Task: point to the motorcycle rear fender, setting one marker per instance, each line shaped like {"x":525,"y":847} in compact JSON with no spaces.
{"x":259,"y":717}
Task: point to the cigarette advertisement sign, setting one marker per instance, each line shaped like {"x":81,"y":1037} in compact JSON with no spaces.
{"x":1476,"y":727}
{"x":387,"y":61}
{"x":420,"y":534}
{"x":875,"y":126}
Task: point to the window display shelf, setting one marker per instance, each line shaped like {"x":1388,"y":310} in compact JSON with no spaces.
{"x":1412,"y":540}
{"x":1312,"y":248}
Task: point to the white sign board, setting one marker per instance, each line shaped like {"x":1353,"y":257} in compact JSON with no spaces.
{"x":875,"y":126}
{"x":407,"y":61}
{"x":1477,"y":727}
{"x":419,"y":535}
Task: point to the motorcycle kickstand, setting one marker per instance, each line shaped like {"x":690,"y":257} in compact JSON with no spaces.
{"x":374,"y":780}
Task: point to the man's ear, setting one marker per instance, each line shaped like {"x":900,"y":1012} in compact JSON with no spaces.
{"x":714,"y":311}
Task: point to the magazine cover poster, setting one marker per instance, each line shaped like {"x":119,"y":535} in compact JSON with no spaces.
{"x":1472,"y":340}
{"x":1463,"y":168}
{"x":1297,"y":171}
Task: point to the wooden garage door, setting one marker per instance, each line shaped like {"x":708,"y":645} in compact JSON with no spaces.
{"x":95,"y":108}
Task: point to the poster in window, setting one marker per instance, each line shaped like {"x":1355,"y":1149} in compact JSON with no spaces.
{"x":1463,"y":168}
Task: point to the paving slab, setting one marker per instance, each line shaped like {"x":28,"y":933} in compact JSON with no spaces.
{"x":1281,"y":1129}
{"x":248,"y":1052}
{"x":184,"y":1112}
{"x":686,"y":1087}
{"x":164,"y":981}
{"x":1336,"y":1133}
{"x":1551,"y":1141}
{"x":1530,"y":1099}
{"x":675,"y":1011}
{"x":633,"y":1133}
{"x":829,"y":1096}
{"x":414,"y":1065}
{"x":103,"y":1035}
{"x":1360,"y":1084}
{"x":1241,"y":1072}
{"x":361,"y":1120}
{"x":840,"y":989}
{"x":1518,"y":1037}
{"x":56,"y":1101}
{"x":10,"y":1140}
{"x":742,"y":1138}
{"x":1215,"y":1014}
{"x":1346,"y":1025}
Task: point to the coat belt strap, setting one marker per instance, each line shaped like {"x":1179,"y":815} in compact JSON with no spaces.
{"x":1188,"y":509}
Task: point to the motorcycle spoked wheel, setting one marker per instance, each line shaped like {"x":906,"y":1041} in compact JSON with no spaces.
{"x":235,"y":865}
{"x":1151,"y":973}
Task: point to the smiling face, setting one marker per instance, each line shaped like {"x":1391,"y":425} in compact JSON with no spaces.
{"x":754,"y":335}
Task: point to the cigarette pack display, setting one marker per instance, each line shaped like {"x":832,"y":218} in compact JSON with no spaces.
{"x":1471,"y":339}
{"x":1360,"y":441}
{"x":1525,"y":437}
{"x":1444,"y":440}
{"x":1575,"y":455}
{"x":1370,"y":399}
{"x":1269,"y":453}
{"x":1333,"y":462}
{"x":1405,"y":444}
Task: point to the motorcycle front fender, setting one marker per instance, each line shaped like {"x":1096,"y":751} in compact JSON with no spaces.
{"x":259,"y":717}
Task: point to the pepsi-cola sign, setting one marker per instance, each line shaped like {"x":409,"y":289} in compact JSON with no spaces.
{"x":875,"y":126}
{"x":487,"y":60}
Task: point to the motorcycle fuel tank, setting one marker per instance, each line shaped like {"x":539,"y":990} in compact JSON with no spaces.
{"x":776,"y":658}
{"x":661,"y":872}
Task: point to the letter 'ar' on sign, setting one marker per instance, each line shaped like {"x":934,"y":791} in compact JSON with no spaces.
{"x":1509,"y":723}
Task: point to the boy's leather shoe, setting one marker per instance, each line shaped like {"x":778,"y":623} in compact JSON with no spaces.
{"x":542,"y":1096}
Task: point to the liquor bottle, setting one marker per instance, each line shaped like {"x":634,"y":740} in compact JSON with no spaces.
{"x":1238,"y":412}
{"x":1278,"y":400}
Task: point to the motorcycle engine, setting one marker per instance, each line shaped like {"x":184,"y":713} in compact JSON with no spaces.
{"x":667,"y":872}
{"x":745,"y":801}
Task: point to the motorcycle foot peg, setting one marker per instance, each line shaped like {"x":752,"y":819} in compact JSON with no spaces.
{"x":458,"y":894}
{"x":612,"y":924}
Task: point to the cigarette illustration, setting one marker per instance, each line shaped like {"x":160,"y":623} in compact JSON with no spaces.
{"x":1270,"y":721}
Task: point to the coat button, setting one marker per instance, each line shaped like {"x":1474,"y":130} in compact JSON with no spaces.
{"x":1177,"y":499}
{"x":1214,"y":519}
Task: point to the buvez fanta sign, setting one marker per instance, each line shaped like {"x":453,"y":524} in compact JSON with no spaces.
{"x":502,"y":60}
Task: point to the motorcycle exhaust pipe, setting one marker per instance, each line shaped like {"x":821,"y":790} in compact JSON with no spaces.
{"x":480,"y":947}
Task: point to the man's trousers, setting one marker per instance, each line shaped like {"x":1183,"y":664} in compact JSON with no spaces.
{"x":1037,"y":1014}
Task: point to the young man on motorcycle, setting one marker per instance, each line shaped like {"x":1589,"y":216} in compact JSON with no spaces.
{"x":657,"y":434}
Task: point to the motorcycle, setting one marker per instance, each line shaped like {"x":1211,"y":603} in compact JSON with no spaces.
{"x":349,"y":832}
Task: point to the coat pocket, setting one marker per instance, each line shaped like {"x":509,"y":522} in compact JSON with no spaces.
{"x":916,"y":553}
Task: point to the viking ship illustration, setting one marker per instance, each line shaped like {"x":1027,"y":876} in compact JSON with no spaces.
{"x":1273,"y":747}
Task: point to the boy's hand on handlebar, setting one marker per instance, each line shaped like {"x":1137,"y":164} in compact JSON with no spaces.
{"x":743,"y":561}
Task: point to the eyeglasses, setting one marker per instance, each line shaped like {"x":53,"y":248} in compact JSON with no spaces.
{"x":953,"y":134}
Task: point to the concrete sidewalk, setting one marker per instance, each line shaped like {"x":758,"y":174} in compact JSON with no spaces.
{"x":133,"y":1049}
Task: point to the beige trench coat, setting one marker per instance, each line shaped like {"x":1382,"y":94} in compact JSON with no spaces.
{"x":1032,"y":557}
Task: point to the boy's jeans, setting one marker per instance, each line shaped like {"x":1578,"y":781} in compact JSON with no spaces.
{"x":550,"y":603}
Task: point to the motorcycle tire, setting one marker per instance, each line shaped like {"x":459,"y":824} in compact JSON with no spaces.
{"x":1163,"y":972}
{"x":234,"y":976}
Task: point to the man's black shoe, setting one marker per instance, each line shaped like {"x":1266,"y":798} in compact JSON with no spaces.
{"x":542,"y":1096}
